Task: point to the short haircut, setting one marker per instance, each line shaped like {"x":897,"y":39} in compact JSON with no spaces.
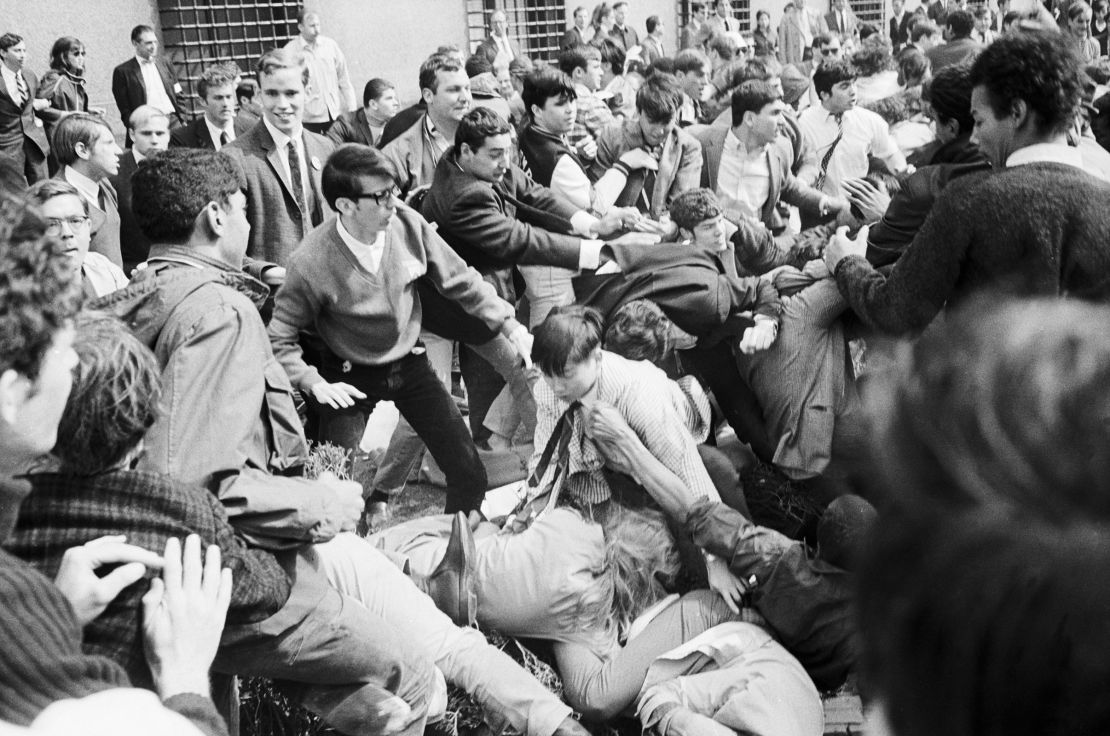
{"x":619,"y":4}
{"x":77,"y":127}
{"x":752,"y":96}
{"x":612,"y":56}
{"x":639,"y":330}
{"x":61,"y":47}
{"x":949,"y":93}
{"x":960,"y":24}
{"x":478,"y":64}
{"x":760,"y":13}
{"x":8,"y":40}
{"x":831,"y":73}
{"x":913,"y":66}
{"x":39,"y":291}
{"x":867,"y":30}
{"x":922,"y":29}
{"x":144,"y":114}
{"x":823,"y":39}
{"x":138,"y":31}
{"x":478,"y":125}
{"x":303,"y":13}
{"x":1077,"y":8}
{"x":659,"y":98}
{"x":44,"y":190}
{"x":982,"y":12}
{"x":248,"y":88}
{"x":521,"y":66}
{"x":114,"y":400}
{"x":872,"y":58}
{"x":219,"y":75}
{"x":434,"y":64}
{"x":347,"y":165}
{"x":566,"y":337}
{"x":600,"y":11}
{"x":662,"y":65}
{"x":696,"y":7}
{"x":651,"y":23}
{"x":169,"y":190}
{"x":693,"y":207}
{"x":743,"y":70}
{"x":540,"y":86}
{"x":374,"y":89}
{"x":690,"y":60}
{"x":844,"y":526}
{"x":1037,"y":67}
{"x":577,"y":57}
{"x":723,"y":44}
{"x":275,"y":60}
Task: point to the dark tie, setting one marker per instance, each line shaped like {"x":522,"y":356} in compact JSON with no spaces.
{"x":21,"y":87}
{"x":297,"y":180}
{"x":225,"y":139}
{"x":829,"y":153}
{"x":644,"y":202}
{"x":557,"y":446}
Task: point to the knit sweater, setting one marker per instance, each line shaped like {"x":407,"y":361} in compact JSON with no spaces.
{"x":364,"y":317}
{"x":1041,"y":228}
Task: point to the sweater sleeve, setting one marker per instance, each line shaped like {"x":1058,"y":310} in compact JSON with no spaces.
{"x":461,"y":283}
{"x":295,"y":308}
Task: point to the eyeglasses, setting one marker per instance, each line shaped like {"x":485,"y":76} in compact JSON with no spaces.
{"x":54,"y":224}
{"x":381,"y":198}
{"x":830,"y":52}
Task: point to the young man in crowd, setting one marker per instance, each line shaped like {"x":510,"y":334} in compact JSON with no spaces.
{"x":583,"y":65}
{"x":150,"y":132}
{"x":331,"y":93}
{"x":218,"y":125}
{"x":364,"y":125}
{"x":88,"y":155}
{"x":21,"y":136}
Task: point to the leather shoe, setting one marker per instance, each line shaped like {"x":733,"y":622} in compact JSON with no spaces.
{"x":451,"y":584}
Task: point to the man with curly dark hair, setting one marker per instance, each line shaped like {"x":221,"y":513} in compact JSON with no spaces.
{"x":1038,"y":224}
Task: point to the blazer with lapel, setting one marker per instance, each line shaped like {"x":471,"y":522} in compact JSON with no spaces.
{"x":900,"y":32}
{"x":488,"y":49}
{"x":783,"y":184}
{"x":133,"y":244}
{"x":277,"y":225}
{"x":105,"y":220}
{"x":851,"y":26}
{"x":352,"y":127}
{"x":18,"y":121}
{"x":196,"y":134}
{"x":573,"y":37}
{"x":130,"y":92}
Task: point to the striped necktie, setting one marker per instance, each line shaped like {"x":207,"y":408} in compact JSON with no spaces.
{"x":829,"y":153}
{"x":21,"y":87}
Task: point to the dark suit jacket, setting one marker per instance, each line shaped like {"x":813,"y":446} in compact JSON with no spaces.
{"x":352,"y":127}
{"x":129,"y":91}
{"x":488,"y":49}
{"x":939,"y":13}
{"x":497,"y":227}
{"x":851,"y":28}
{"x":18,"y":122}
{"x":277,"y":225}
{"x":196,"y":135}
{"x":625,"y":37}
{"x":133,"y":244}
{"x":573,"y":37}
{"x":953,"y":52}
{"x":105,"y":220}
{"x":900,"y":32}
{"x":783,"y":184}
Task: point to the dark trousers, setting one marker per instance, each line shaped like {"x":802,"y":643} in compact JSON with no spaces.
{"x":421,"y":399}
{"x":716,"y":368}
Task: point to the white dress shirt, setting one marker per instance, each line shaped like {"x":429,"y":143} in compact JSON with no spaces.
{"x":215,"y":132}
{"x":12,"y":84}
{"x":281,"y":142}
{"x":743,"y":181}
{"x":369,"y":256}
{"x":88,"y":188}
{"x":865,"y":134}
{"x":156,"y":94}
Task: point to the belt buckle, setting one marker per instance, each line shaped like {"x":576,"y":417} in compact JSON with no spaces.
{"x":346,"y":367}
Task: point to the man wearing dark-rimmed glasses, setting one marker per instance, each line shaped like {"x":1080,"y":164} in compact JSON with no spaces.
{"x":353,"y":281}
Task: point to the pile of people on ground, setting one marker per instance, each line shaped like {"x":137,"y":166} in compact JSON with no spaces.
{"x":879,"y":277}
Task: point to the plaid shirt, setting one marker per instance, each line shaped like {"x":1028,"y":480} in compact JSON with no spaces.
{"x":668,"y":417}
{"x":63,"y":512}
{"x":593,"y":116}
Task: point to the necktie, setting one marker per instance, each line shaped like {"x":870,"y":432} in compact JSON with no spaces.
{"x":21,"y":87}
{"x":224,"y":140}
{"x":644,"y":202}
{"x":829,"y":153}
{"x":297,"y":180}
{"x":557,"y":449}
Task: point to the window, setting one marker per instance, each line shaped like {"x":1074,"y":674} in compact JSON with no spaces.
{"x":199,"y":33}
{"x":537,"y":25}
{"x":870,"y":11}
{"x":741,"y":10}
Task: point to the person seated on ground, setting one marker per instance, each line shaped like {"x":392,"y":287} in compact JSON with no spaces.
{"x":115,"y":398}
{"x":67,"y":219}
{"x":1001,"y":558}
{"x":1036,"y":225}
{"x":654,"y":129}
{"x":41,"y":621}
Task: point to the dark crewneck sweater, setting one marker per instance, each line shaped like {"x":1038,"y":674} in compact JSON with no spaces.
{"x":1036,"y":229}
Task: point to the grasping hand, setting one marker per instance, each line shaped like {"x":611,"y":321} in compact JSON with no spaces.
{"x":90,"y":594}
{"x":336,"y":395}
{"x":841,"y":246}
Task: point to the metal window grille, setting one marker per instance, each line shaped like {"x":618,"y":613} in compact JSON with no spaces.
{"x":870,"y":11}
{"x":537,"y":25}
{"x":741,"y":10}
{"x":199,"y":33}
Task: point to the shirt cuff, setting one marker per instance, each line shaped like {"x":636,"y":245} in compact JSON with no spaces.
{"x":589,"y":254}
{"x":583,"y":223}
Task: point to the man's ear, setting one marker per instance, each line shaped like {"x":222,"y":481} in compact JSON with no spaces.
{"x":14,"y":389}
{"x":1020,"y":112}
{"x":82,"y":150}
{"x":427,"y":95}
{"x":685,"y":235}
{"x":211,"y":221}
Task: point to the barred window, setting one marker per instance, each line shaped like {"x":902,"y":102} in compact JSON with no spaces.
{"x":537,"y":25}
{"x":741,"y":10}
{"x":870,"y":11}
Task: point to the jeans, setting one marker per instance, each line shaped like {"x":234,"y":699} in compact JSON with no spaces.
{"x":421,"y":399}
{"x":505,"y":690}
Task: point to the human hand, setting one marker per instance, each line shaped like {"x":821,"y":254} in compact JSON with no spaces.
{"x":617,"y":219}
{"x":841,"y":246}
{"x":274,"y":276}
{"x":39,"y":103}
{"x":521,"y":340}
{"x":721,"y":580}
{"x":758,"y":338}
{"x":870,"y":200}
{"x":348,"y":494}
{"x":183,"y":617}
{"x":638,"y":158}
{"x":587,"y":148}
{"x":90,"y":594}
{"x":336,"y":395}
{"x":635,"y":239}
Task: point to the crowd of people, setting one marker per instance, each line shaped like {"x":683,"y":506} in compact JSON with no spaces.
{"x":869,"y":264}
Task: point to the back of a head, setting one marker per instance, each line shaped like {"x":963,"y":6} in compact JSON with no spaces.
{"x":567,"y":336}
{"x":1037,"y":67}
{"x":922,"y":29}
{"x":639,"y":330}
{"x":843,"y":528}
{"x":39,"y":291}
{"x":659,"y":98}
{"x":913,"y":66}
{"x":872,"y":58}
{"x":114,"y":399}
{"x":612,"y":56}
{"x":960,"y":24}
{"x":75,"y":128}
{"x":478,"y":64}
{"x":949,"y":94}
{"x":642,"y":559}
{"x":690,"y":60}
{"x":577,"y":57}
{"x":693,"y":207}
{"x":723,"y":45}
{"x":169,"y":190}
